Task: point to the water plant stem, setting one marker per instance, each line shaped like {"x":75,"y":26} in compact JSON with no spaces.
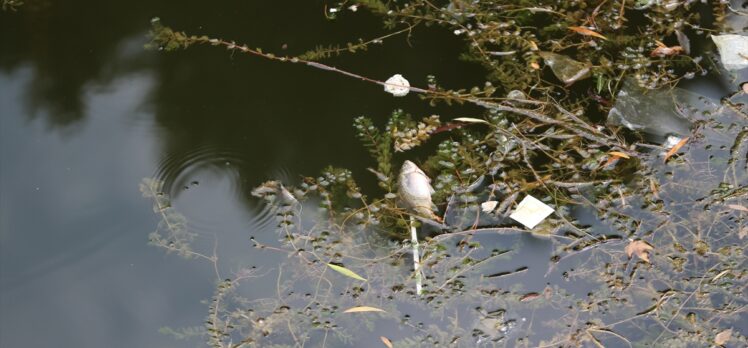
{"x":416,"y":255}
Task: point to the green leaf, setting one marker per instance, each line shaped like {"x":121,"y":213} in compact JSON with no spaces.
{"x":346,"y":272}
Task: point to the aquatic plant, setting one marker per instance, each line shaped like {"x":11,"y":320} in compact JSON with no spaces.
{"x":663,"y":262}
{"x":11,"y":5}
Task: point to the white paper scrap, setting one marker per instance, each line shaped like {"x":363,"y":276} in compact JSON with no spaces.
{"x":531,"y":212}
{"x":488,"y":206}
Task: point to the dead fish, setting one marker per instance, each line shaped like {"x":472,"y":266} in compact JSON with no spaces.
{"x":415,"y":190}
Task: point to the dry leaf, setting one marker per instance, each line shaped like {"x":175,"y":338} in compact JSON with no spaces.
{"x":675,"y":148}
{"x":386,"y":341}
{"x":720,"y":275}
{"x":723,"y":337}
{"x":529,"y":297}
{"x":535,"y":65}
{"x":363,"y":309}
{"x":614,"y":156}
{"x":587,"y":32}
{"x":666,"y":51}
{"x":653,"y":187}
{"x":738,"y":207}
{"x":620,"y":154}
{"x":640,"y":248}
{"x":471,"y":120}
{"x":346,"y":272}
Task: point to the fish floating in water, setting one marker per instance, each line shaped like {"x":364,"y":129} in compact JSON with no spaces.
{"x":415,"y":191}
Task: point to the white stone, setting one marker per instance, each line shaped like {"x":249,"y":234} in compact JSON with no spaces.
{"x":397,"y":85}
{"x":531,"y":212}
{"x":733,"y":50}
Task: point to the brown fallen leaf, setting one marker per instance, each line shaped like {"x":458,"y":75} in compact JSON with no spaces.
{"x":529,"y":297}
{"x":619,"y":154}
{"x":675,"y":148}
{"x":615,"y":156}
{"x":363,"y":309}
{"x":723,"y":337}
{"x":663,"y":50}
{"x":386,"y":341}
{"x":587,"y":32}
{"x":639,"y":248}
{"x":653,"y":187}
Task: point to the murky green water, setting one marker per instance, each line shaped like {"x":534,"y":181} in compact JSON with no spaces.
{"x":87,"y":114}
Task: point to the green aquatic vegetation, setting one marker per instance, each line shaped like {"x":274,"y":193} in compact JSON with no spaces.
{"x":172,"y":233}
{"x":681,"y":286}
{"x":642,"y":251}
{"x":11,"y":5}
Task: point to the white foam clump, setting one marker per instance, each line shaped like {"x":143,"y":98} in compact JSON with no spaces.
{"x":397,"y":85}
{"x":531,"y":212}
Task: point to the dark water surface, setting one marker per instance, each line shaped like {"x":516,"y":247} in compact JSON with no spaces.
{"x":86,"y":113}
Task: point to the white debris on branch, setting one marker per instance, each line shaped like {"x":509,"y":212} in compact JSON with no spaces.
{"x":397,"y":85}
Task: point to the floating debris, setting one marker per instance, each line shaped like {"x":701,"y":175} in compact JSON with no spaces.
{"x":723,"y":337}
{"x":566,"y":69}
{"x":346,"y":272}
{"x":363,"y":309}
{"x":587,"y":32}
{"x":488,"y":206}
{"x":531,"y":212}
{"x":639,"y":248}
{"x":415,"y":190}
{"x":471,"y":120}
{"x":663,"y":50}
{"x":654,"y":112}
{"x":733,"y":50}
{"x":397,"y":85}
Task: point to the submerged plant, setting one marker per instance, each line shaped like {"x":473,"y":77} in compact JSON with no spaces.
{"x":662,"y":263}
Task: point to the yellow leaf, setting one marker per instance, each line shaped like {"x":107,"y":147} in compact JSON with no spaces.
{"x":620,"y":154}
{"x":363,"y":309}
{"x":346,"y":272}
{"x":587,"y":32}
{"x":386,"y":341}
{"x":723,"y":337}
{"x":676,"y":148}
{"x":640,"y":248}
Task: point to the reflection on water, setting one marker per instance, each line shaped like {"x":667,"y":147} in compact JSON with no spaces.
{"x":86,"y":114}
